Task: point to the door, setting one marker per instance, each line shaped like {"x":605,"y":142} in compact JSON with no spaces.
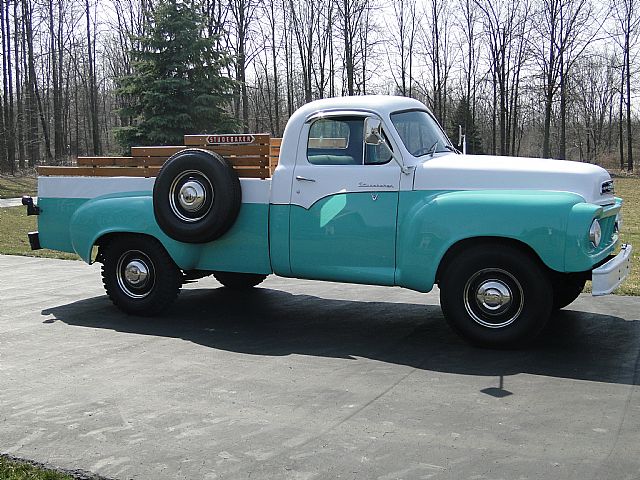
{"x":344,"y":205}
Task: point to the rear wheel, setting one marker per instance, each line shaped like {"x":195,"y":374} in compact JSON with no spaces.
{"x":239,"y":281}
{"x":495,"y":296}
{"x":139,"y":276}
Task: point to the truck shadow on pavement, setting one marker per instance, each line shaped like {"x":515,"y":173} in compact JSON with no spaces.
{"x":576,"y":345}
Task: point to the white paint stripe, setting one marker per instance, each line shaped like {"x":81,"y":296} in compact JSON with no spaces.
{"x":254,"y":190}
{"x":90,"y":187}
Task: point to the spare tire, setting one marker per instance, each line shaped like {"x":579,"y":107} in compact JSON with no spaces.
{"x":196,"y":196}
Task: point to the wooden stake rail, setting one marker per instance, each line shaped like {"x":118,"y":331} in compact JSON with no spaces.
{"x":274,"y":153}
{"x":252,"y":156}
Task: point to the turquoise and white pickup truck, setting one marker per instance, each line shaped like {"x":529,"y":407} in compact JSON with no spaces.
{"x":367,"y":190}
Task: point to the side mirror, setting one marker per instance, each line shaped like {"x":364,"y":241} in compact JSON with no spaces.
{"x":462,"y":140}
{"x":372,"y":135}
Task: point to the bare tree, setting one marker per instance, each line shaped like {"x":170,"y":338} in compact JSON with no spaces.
{"x":439,"y":54}
{"x":6,"y":122}
{"x":302,"y":15}
{"x":323,"y":69}
{"x":353,"y":16}
{"x":593,"y":84}
{"x":504,"y":31}
{"x":92,"y":83}
{"x":401,"y":52}
{"x":467,"y":24}
{"x":271,"y":11}
{"x":242,"y":13}
{"x":564,"y":32}
{"x":627,"y":16}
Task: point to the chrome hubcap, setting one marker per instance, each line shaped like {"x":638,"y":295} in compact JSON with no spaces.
{"x":192,"y":195}
{"x":136,"y":273}
{"x":493,"y":295}
{"x":493,"y":298}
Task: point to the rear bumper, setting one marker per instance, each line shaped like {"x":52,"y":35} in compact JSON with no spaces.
{"x":607,"y":277}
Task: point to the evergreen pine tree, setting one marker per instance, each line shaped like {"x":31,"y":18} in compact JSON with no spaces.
{"x":176,"y":87}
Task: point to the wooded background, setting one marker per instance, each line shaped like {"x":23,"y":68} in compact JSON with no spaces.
{"x":551,"y":78}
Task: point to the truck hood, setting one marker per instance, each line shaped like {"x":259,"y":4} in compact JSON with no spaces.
{"x":485,"y":172}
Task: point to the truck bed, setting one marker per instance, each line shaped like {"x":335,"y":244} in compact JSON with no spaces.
{"x":252,"y":156}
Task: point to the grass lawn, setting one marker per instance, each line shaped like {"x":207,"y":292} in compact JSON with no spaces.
{"x":16,"y":470}
{"x":629,"y":189}
{"x":14,"y":225}
{"x":15,"y":187}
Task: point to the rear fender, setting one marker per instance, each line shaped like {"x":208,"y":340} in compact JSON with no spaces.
{"x":124,"y":214}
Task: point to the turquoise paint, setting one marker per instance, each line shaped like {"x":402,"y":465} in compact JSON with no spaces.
{"x":430,"y":222}
{"x":332,"y":208}
{"x":346,"y":237}
{"x":580,"y":254}
{"x":279,"y":239}
{"x":244,"y":248}
{"x":351,"y":237}
{"x":53,"y":222}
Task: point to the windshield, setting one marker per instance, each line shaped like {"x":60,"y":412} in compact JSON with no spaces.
{"x":420,"y":133}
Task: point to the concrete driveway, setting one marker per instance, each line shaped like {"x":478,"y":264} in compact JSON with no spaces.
{"x":301,"y":380}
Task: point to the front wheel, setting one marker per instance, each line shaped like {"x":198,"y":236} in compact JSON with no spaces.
{"x":495,"y":296}
{"x":139,"y":276}
{"x":567,"y":288}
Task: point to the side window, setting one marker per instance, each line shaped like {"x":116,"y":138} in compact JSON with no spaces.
{"x":336,"y":141}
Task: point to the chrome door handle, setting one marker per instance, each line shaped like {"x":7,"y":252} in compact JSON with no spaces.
{"x":304,"y":179}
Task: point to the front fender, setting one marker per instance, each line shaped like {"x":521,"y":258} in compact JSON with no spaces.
{"x":429,"y":223}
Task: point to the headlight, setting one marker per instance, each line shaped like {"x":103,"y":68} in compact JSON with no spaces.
{"x":595,"y":233}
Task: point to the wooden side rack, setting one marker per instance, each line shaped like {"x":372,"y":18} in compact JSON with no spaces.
{"x":252,"y":156}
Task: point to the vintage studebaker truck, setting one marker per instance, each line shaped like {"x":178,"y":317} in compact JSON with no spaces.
{"x":367,"y":190}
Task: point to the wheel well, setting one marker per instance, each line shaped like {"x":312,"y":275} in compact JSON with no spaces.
{"x":102,"y":241}
{"x":485,"y":241}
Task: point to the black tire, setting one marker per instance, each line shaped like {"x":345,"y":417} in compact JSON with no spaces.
{"x":239,"y":281}
{"x":138,"y":275}
{"x":496,"y":296}
{"x":566,"y":288}
{"x":196,"y":197}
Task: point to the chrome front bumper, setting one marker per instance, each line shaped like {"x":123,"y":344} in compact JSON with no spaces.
{"x":607,"y":277}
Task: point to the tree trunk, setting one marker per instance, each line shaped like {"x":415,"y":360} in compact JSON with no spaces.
{"x":562,"y":148}
{"x":276,"y":86}
{"x":19,"y":99}
{"x":6,"y":125}
{"x":348,"y":45}
{"x":628,"y":69}
{"x":620,"y":122}
{"x":36,"y":91}
{"x":31,"y":117}
{"x":57,"y":107}
{"x":493,"y":117}
{"x":93,"y":88}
